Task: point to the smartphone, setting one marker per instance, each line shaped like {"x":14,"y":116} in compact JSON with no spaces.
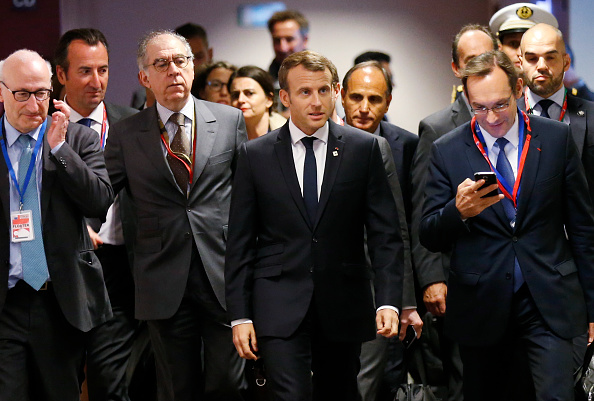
{"x":490,"y":179}
{"x":410,"y":337}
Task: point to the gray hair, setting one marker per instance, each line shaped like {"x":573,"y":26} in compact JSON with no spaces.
{"x":149,"y":37}
{"x":24,"y":53}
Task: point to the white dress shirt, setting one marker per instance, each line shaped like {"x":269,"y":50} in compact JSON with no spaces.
{"x":554,"y":109}
{"x":511,"y":149}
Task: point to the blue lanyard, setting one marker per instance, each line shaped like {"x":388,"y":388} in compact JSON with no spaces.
{"x":500,"y":178}
{"x":31,"y":164}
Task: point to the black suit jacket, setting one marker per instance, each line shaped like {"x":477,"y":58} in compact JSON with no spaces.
{"x":169,"y":224}
{"x":403,"y":145}
{"x":431,"y":267}
{"x":74,"y":185}
{"x":558,"y":271}
{"x":277,"y":263}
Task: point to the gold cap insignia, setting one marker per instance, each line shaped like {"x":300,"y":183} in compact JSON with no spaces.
{"x":524,"y":12}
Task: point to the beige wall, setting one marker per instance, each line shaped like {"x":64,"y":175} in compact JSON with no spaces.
{"x":417,"y":34}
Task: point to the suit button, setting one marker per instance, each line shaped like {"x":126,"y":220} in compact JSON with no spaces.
{"x":515,"y":239}
{"x":187,"y":235}
{"x":508,"y":276}
{"x":311,"y":269}
{"x":315,"y":240}
{"x":189,"y":210}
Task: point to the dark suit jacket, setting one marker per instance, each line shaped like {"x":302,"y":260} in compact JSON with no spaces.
{"x":403,"y":145}
{"x":431,"y":267}
{"x":74,"y":185}
{"x":553,"y":199}
{"x":581,"y":118}
{"x":169,"y":225}
{"x":275,"y":258}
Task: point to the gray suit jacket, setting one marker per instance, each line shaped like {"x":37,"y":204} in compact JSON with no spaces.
{"x":74,"y":185}
{"x":430,"y":266}
{"x":169,"y":225}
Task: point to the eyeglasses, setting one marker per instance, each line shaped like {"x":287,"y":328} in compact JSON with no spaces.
{"x":162,"y":64}
{"x":498,"y":108}
{"x":216,"y":85}
{"x":23,"y":95}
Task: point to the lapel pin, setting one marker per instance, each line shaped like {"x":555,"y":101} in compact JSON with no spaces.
{"x":581,"y":113}
{"x":335,"y":153}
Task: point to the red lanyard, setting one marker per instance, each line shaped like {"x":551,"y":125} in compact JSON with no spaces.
{"x":165,"y":140}
{"x":563,"y":108}
{"x":104,"y":128}
{"x":523,"y":147}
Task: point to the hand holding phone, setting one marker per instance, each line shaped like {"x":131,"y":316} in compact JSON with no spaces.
{"x":490,"y":179}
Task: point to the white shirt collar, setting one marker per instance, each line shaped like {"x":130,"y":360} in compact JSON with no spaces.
{"x":297,"y":134}
{"x":556,"y":97}
{"x":187,"y":111}
{"x":96,"y":115}
{"x":513,"y":135}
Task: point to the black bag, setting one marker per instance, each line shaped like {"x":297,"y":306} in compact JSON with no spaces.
{"x":584,"y":378}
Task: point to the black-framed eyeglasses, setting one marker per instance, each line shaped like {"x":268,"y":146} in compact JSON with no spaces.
{"x":23,"y":95}
{"x":216,"y":85}
{"x":180,"y":61}
{"x":498,"y":108}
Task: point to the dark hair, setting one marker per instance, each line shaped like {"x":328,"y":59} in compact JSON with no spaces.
{"x":372,"y":56}
{"x":262,"y":77}
{"x":204,"y":71}
{"x":468,"y":28}
{"x":287,"y":15}
{"x":484,"y":64}
{"x":311,"y":61}
{"x":374,"y":64}
{"x":90,"y":36}
{"x":190,"y":31}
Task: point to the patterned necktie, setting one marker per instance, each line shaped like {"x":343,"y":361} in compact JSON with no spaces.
{"x":310,"y":179}
{"x":35,"y":271}
{"x":545,"y":104}
{"x":180,"y":146}
{"x":505,"y":169}
{"x":85,"y":121}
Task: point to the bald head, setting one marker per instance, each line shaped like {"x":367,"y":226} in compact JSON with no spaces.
{"x":24,"y":70}
{"x":544,"y":59}
{"x":468,"y":45}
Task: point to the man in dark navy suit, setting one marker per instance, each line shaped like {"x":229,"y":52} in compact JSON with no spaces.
{"x":522,"y":260}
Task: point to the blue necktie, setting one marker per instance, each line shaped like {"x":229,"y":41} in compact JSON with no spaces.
{"x":85,"y":121}
{"x":310,"y":179}
{"x":35,"y":271}
{"x":505,"y":169}
{"x":545,"y":104}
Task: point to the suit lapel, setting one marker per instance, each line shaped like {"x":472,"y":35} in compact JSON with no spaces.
{"x":48,"y":172}
{"x":334,"y":152}
{"x":284,"y":155}
{"x":149,"y":140}
{"x":577,"y":121}
{"x":206,"y":128}
{"x":477,"y":164}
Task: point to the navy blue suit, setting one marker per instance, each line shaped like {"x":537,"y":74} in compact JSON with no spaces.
{"x":559,"y":273}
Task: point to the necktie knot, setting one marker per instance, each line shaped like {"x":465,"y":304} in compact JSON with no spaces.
{"x":308,"y":142}
{"x":85,"y":121}
{"x":178,"y":119}
{"x":545,"y":104}
{"x":501,"y":142}
{"x":25,"y":140}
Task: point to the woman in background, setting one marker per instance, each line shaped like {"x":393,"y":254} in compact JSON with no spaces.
{"x":211,"y":82}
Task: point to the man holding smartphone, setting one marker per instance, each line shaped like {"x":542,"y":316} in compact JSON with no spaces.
{"x":517,"y":280}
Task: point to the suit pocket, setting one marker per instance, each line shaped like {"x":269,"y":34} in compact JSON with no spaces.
{"x":268,"y":271}
{"x":466,"y":278}
{"x":357,"y":270}
{"x":220,"y":158}
{"x":566,"y":268}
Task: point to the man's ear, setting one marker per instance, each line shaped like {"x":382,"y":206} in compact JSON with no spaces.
{"x":566,"y":62}
{"x":61,"y":74}
{"x":143,"y":79}
{"x":285,"y":98}
{"x":456,"y":70}
{"x":519,"y":88}
{"x":388,"y":100}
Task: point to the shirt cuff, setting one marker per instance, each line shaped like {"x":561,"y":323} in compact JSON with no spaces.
{"x":57,"y":147}
{"x":240,"y":321}
{"x":388,"y":307}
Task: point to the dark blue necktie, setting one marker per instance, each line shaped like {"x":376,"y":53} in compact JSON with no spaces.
{"x":505,"y":169}
{"x":310,"y":179}
{"x":85,"y":121}
{"x":35,"y":271}
{"x":545,"y":104}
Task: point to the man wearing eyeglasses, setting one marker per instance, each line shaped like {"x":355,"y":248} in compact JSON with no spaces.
{"x":176,"y":161}
{"x":522,"y":261}
{"x":52,"y":175}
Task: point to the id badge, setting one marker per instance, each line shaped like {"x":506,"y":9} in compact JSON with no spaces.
{"x":21,"y":226}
